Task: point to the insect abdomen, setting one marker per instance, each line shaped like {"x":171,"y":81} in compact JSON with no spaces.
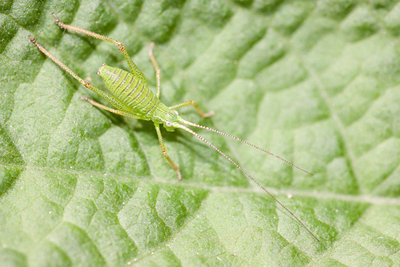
{"x":131,"y":90}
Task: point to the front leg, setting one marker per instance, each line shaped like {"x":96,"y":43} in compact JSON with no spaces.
{"x":176,"y":168}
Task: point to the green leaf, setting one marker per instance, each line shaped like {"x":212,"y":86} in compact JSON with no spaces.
{"x":317,"y":82}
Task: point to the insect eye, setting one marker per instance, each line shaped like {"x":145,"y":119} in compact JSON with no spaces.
{"x":168,"y":123}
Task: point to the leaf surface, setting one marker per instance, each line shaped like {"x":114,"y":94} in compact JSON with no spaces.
{"x":316,"y":82}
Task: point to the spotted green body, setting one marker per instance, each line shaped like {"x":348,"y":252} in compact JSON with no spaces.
{"x":130,"y":95}
{"x":135,"y":96}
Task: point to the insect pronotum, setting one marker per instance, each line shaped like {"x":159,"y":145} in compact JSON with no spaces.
{"x":130,"y":96}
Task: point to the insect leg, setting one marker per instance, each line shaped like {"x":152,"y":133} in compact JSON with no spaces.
{"x":115,"y":102}
{"x":193,"y":103}
{"x":132,"y":67}
{"x":116,"y":111}
{"x":156,"y":67}
{"x":176,"y":168}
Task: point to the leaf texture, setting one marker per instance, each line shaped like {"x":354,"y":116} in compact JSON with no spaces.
{"x":317,"y":82}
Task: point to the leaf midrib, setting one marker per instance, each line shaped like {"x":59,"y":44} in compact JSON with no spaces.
{"x":289,"y":192}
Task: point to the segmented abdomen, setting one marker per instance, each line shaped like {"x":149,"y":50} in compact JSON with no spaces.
{"x":129,"y":89}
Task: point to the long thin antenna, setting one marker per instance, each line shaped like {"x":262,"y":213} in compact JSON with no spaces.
{"x":247,"y":143}
{"x":250,"y":177}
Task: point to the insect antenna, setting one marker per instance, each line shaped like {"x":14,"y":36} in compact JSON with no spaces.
{"x":250,"y":177}
{"x":247,"y":143}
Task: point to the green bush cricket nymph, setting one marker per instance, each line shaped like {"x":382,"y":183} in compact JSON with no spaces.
{"x":131,"y":97}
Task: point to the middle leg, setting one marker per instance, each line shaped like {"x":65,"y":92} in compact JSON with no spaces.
{"x":193,"y":103}
{"x":156,"y":67}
